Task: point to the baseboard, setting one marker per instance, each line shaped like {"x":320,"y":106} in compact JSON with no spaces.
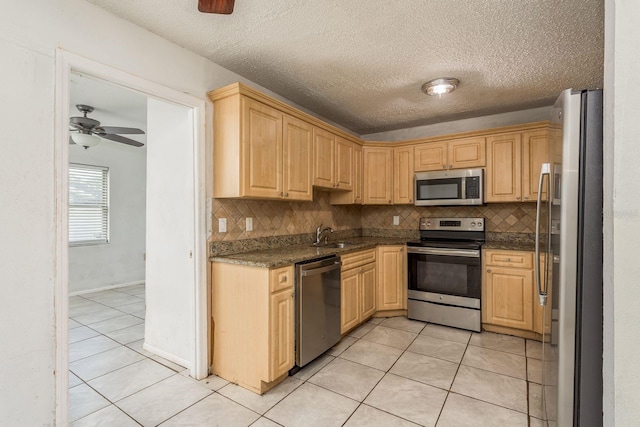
{"x":170,"y":357}
{"x":106,"y":288}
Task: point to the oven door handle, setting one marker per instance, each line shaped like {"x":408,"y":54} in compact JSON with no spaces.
{"x":466,"y":253}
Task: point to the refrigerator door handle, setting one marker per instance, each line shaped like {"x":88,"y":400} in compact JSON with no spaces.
{"x":544,"y":170}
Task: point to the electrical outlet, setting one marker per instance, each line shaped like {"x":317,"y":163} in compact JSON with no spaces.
{"x":396,"y":220}
{"x":249,"y":222}
{"x":222,"y":225}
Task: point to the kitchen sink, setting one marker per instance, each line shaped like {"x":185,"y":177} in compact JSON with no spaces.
{"x":338,"y":245}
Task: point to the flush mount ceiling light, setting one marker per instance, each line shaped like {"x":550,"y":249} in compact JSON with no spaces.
{"x":440,"y":86}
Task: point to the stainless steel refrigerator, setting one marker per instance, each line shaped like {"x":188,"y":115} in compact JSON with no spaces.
{"x":569,"y":273}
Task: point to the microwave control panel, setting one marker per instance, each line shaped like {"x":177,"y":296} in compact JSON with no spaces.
{"x":472,"y":184}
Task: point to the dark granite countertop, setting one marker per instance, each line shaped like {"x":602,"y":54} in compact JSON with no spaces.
{"x":280,"y":257}
{"x":509,"y":246}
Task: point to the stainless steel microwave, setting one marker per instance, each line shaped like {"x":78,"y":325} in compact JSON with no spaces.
{"x":454,"y":187}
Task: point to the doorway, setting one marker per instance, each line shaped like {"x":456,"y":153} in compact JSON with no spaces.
{"x":175,"y":263}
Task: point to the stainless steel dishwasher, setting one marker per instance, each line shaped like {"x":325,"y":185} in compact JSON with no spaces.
{"x":317,"y":308}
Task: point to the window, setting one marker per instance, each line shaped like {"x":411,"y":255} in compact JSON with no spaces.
{"x":88,"y":204}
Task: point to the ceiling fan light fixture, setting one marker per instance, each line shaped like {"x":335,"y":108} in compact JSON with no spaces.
{"x":85,"y":139}
{"x":440,"y":86}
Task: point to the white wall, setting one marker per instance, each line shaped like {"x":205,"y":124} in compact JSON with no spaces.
{"x":465,"y":125}
{"x":622,"y":212}
{"x":30,"y":32}
{"x":121,"y":261}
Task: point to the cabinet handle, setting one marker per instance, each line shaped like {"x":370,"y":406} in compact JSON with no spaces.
{"x":444,"y":166}
{"x":518,"y":198}
{"x":488,"y":270}
{"x":410,"y":200}
{"x":284,"y":279}
{"x":389,"y":201}
{"x":450,"y":166}
{"x":281,"y":194}
{"x":526,"y":197}
{"x":286,"y":194}
{"x":508,"y":259}
{"x":362,"y":270}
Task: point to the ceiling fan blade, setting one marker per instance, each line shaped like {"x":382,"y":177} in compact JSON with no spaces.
{"x":224,"y":7}
{"x":122,"y":139}
{"x":119,"y":130}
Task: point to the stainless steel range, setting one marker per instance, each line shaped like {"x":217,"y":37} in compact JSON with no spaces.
{"x":444,"y":274}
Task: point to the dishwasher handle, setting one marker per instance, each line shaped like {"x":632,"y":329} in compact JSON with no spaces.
{"x":314,"y":271}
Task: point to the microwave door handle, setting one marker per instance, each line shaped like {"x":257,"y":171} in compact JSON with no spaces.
{"x":542,"y":295}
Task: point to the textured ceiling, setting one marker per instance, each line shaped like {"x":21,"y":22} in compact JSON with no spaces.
{"x":361,"y":63}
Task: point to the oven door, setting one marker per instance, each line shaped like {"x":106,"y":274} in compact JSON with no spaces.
{"x":445,"y":275}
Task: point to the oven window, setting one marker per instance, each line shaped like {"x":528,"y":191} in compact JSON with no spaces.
{"x":445,"y":275}
{"x":439,"y":189}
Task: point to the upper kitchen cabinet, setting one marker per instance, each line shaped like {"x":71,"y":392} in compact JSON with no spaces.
{"x":378,"y":175}
{"x":332,"y":161}
{"x":403,"y":175}
{"x":266,"y":149}
{"x":513,"y":165}
{"x":454,"y":154}
{"x":353,"y":197}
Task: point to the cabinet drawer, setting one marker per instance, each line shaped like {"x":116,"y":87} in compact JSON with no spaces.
{"x":516,"y":259}
{"x":356,"y":259}
{"x":281,"y":278}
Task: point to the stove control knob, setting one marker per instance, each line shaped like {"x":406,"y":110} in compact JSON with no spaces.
{"x":473,"y":224}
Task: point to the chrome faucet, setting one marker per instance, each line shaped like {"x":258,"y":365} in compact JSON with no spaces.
{"x":319,"y":235}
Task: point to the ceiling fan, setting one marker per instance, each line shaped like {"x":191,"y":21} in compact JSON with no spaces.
{"x":87,"y":131}
{"x":224,"y":7}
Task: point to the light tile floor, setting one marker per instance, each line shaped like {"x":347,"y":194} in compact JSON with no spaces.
{"x":388,"y":372}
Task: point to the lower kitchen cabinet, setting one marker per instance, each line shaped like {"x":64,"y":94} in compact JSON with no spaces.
{"x":358,"y":288}
{"x":392,"y":278}
{"x":252,"y":313}
{"x":509,"y":294}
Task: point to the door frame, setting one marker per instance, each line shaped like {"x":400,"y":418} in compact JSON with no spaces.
{"x":66,"y":63}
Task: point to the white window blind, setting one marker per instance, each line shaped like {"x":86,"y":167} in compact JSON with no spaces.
{"x":88,"y":204}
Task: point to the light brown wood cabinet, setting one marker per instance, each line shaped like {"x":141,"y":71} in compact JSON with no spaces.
{"x":403,"y":175}
{"x":509,"y":294}
{"x":353,"y":197}
{"x":358,"y":288}
{"x":392,"y":278}
{"x":260,"y":152}
{"x":332,"y":161}
{"x":513,"y":165}
{"x":253,"y":324}
{"x":378,"y":175}
{"x":454,"y":154}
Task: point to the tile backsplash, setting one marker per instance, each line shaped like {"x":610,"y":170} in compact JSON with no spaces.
{"x":275,"y":218}
{"x":500,"y":217}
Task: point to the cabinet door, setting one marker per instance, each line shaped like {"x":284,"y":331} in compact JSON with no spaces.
{"x":281,"y":333}
{"x":392,"y":292}
{"x":349,"y":310}
{"x":261,"y":150}
{"x":357,"y":174}
{"x":467,"y":153}
{"x":509,"y":297}
{"x":297,"y":154}
{"x":503,"y":176}
{"x":323,"y":158}
{"x":367,"y":291}
{"x":378,"y":175}
{"x":535,"y":152}
{"x":430,"y":156}
{"x":344,"y":164}
{"x":402,"y":175}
